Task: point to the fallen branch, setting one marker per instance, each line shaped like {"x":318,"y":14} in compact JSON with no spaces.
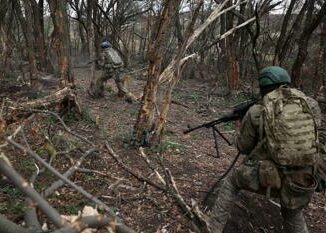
{"x":89,"y":196}
{"x":131,"y":171}
{"x":25,"y":187}
{"x":7,"y":226}
{"x":98,"y":221}
{"x":142,"y":153}
{"x":59,"y":100}
{"x":59,"y":183}
{"x":30,"y":216}
{"x":179,"y":103}
{"x":62,"y":123}
{"x":199,"y":220}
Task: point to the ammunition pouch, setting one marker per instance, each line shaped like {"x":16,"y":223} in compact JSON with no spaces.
{"x":297,"y":189}
{"x":269,"y":176}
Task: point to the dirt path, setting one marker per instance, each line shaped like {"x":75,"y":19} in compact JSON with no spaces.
{"x":191,"y":159}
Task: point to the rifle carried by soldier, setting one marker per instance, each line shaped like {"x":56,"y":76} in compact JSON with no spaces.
{"x":238,"y":112}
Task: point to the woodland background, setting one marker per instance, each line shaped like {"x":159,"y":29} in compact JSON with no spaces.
{"x":186,"y":62}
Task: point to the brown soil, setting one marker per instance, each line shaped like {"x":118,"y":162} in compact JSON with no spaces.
{"x":191,"y":159}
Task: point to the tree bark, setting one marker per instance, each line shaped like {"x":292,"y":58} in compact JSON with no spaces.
{"x":60,"y":21}
{"x":311,"y":23}
{"x":96,"y":88}
{"x":59,"y":101}
{"x":27,"y":29}
{"x":171,"y":74}
{"x":322,"y":62}
{"x":146,"y":115}
{"x":283,"y":32}
{"x":38,"y":25}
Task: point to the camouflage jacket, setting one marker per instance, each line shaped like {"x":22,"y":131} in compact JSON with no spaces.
{"x":248,"y":139}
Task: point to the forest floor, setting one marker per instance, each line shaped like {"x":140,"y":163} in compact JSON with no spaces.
{"x":191,"y":159}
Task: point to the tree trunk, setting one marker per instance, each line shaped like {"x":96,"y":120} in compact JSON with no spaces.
{"x":96,"y":88}
{"x":81,"y":26}
{"x":27,"y":29}
{"x":323,"y":53}
{"x":147,"y":130}
{"x":60,"y":21}
{"x":38,"y":19}
{"x":283,"y":33}
{"x":145,"y":120}
{"x":311,"y":23}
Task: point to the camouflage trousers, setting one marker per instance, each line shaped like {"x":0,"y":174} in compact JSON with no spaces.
{"x":120,"y":83}
{"x":246,"y":177}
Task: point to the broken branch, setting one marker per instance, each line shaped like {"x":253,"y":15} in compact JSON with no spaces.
{"x":129,"y":170}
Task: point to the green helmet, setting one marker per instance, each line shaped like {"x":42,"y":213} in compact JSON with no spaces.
{"x":272,"y":75}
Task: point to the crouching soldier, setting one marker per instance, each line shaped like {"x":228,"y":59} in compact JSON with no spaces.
{"x":279,"y":137}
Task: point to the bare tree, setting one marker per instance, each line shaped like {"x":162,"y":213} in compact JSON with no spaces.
{"x":146,"y":116}
{"x":27,"y":29}
{"x":61,"y":39}
{"x":311,"y":23}
{"x":149,"y":127}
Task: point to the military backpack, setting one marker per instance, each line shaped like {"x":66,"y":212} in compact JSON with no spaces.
{"x":114,"y":58}
{"x":290,"y":128}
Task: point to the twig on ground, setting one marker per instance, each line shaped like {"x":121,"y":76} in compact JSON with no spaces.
{"x":199,"y":220}
{"x":59,"y":183}
{"x":25,"y":187}
{"x":89,"y":196}
{"x":179,"y":103}
{"x":18,"y":129}
{"x":142,"y":153}
{"x":86,"y":170}
{"x":131,"y":171}
{"x":63,"y":124}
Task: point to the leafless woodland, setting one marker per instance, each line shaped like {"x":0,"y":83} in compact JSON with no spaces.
{"x":185,"y":62}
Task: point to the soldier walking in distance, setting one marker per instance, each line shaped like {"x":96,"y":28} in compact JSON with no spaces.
{"x":279,"y":137}
{"x":112,"y":64}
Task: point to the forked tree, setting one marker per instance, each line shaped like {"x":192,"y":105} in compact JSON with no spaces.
{"x":152,"y":115}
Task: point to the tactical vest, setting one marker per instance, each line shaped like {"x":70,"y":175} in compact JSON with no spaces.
{"x":289,"y":127}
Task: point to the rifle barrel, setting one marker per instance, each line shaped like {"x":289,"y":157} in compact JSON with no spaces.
{"x":238,"y":113}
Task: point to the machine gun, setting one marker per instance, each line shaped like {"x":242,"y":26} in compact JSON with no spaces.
{"x":238,"y":112}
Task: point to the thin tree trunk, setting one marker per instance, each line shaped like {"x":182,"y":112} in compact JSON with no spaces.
{"x":60,"y":20}
{"x":96,"y":88}
{"x":323,"y":53}
{"x":312,"y":22}
{"x":284,"y":28}
{"x":171,"y":74}
{"x":27,"y":29}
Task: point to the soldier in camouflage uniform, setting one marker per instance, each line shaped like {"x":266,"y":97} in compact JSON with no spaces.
{"x":293,"y":195}
{"x":113,"y":65}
